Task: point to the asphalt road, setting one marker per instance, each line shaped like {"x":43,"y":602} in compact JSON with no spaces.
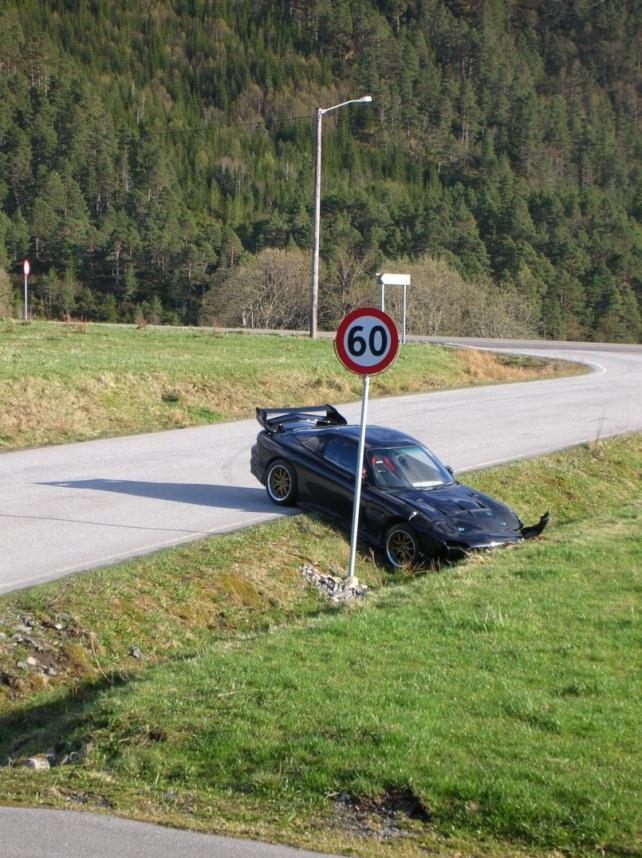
{"x":35,"y":833}
{"x":71,"y":507}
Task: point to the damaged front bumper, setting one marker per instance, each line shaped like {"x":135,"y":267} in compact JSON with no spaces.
{"x":456,"y":550}
{"x":535,"y":529}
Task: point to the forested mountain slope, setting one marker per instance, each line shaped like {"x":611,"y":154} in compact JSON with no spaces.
{"x":147,"y":149}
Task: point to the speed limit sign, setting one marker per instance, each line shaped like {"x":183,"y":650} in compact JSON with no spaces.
{"x":367,"y":341}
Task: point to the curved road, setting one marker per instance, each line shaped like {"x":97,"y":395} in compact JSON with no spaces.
{"x":68,"y":508}
{"x":35,"y":833}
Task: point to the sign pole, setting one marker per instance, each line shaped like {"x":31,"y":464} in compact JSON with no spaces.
{"x":387,"y":279}
{"x":352,"y":581}
{"x":405,"y":304}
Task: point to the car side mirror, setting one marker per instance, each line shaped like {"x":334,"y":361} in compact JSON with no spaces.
{"x":450,"y":470}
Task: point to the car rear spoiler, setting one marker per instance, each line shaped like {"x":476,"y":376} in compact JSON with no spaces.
{"x":306,"y":414}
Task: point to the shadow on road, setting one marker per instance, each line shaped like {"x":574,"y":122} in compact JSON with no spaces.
{"x":202,"y":494}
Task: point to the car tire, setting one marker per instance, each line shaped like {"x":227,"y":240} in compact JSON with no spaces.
{"x":401,"y":546}
{"x":281,"y":484}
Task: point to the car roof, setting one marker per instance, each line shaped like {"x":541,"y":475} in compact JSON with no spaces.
{"x":375,"y":435}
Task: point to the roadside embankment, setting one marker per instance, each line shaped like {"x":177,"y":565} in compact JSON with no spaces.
{"x":491,"y":707}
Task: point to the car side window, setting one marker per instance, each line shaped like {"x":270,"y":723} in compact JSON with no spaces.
{"x":312,"y":443}
{"x":341,"y":452}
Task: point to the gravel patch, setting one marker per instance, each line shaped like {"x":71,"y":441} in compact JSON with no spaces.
{"x":333,"y":588}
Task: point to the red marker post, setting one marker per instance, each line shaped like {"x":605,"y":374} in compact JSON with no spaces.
{"x":367,"y":342}
{"x":26,"y":268}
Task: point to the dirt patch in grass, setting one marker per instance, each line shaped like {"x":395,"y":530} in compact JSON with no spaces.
{"x":384,"y":815}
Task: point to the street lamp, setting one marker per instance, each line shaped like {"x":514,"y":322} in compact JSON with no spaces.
{"x":314,"y":291}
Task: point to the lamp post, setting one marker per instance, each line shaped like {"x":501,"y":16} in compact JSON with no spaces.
{"x":314,"y":290}
{"x":26,"y":270}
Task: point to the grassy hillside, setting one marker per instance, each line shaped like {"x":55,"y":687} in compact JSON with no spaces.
{"x":70,"y":382}
{"x":490,"y":708}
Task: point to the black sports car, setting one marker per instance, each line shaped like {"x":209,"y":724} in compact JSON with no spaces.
{"x":412,"y":507}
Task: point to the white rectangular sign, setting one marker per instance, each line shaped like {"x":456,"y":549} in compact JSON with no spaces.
{"x":394,"y":279}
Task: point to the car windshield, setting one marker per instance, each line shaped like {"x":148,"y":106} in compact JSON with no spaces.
{"x":410,"y":467}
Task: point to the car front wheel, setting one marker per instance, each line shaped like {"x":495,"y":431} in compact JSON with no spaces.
{"x":281,"y":483}
{"x":401,"y":546}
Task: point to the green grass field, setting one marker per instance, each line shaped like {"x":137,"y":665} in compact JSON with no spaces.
{"x":72,"y":381}
{"x":490,"y":708}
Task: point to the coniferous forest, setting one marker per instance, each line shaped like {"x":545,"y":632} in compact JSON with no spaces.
{"x":156,"y":158}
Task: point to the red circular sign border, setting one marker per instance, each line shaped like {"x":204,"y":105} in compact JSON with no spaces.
{"x":347,"y":320}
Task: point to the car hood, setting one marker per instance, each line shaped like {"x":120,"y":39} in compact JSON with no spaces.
{"x":464,"y":509}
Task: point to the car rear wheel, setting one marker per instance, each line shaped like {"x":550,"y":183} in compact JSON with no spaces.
{"x":281,"y":483}
{"x":401,"y":546}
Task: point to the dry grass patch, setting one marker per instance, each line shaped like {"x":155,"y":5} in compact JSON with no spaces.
{"x":485,"y":366}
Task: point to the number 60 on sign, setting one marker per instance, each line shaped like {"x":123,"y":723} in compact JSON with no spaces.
{"x":367,"y":341}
